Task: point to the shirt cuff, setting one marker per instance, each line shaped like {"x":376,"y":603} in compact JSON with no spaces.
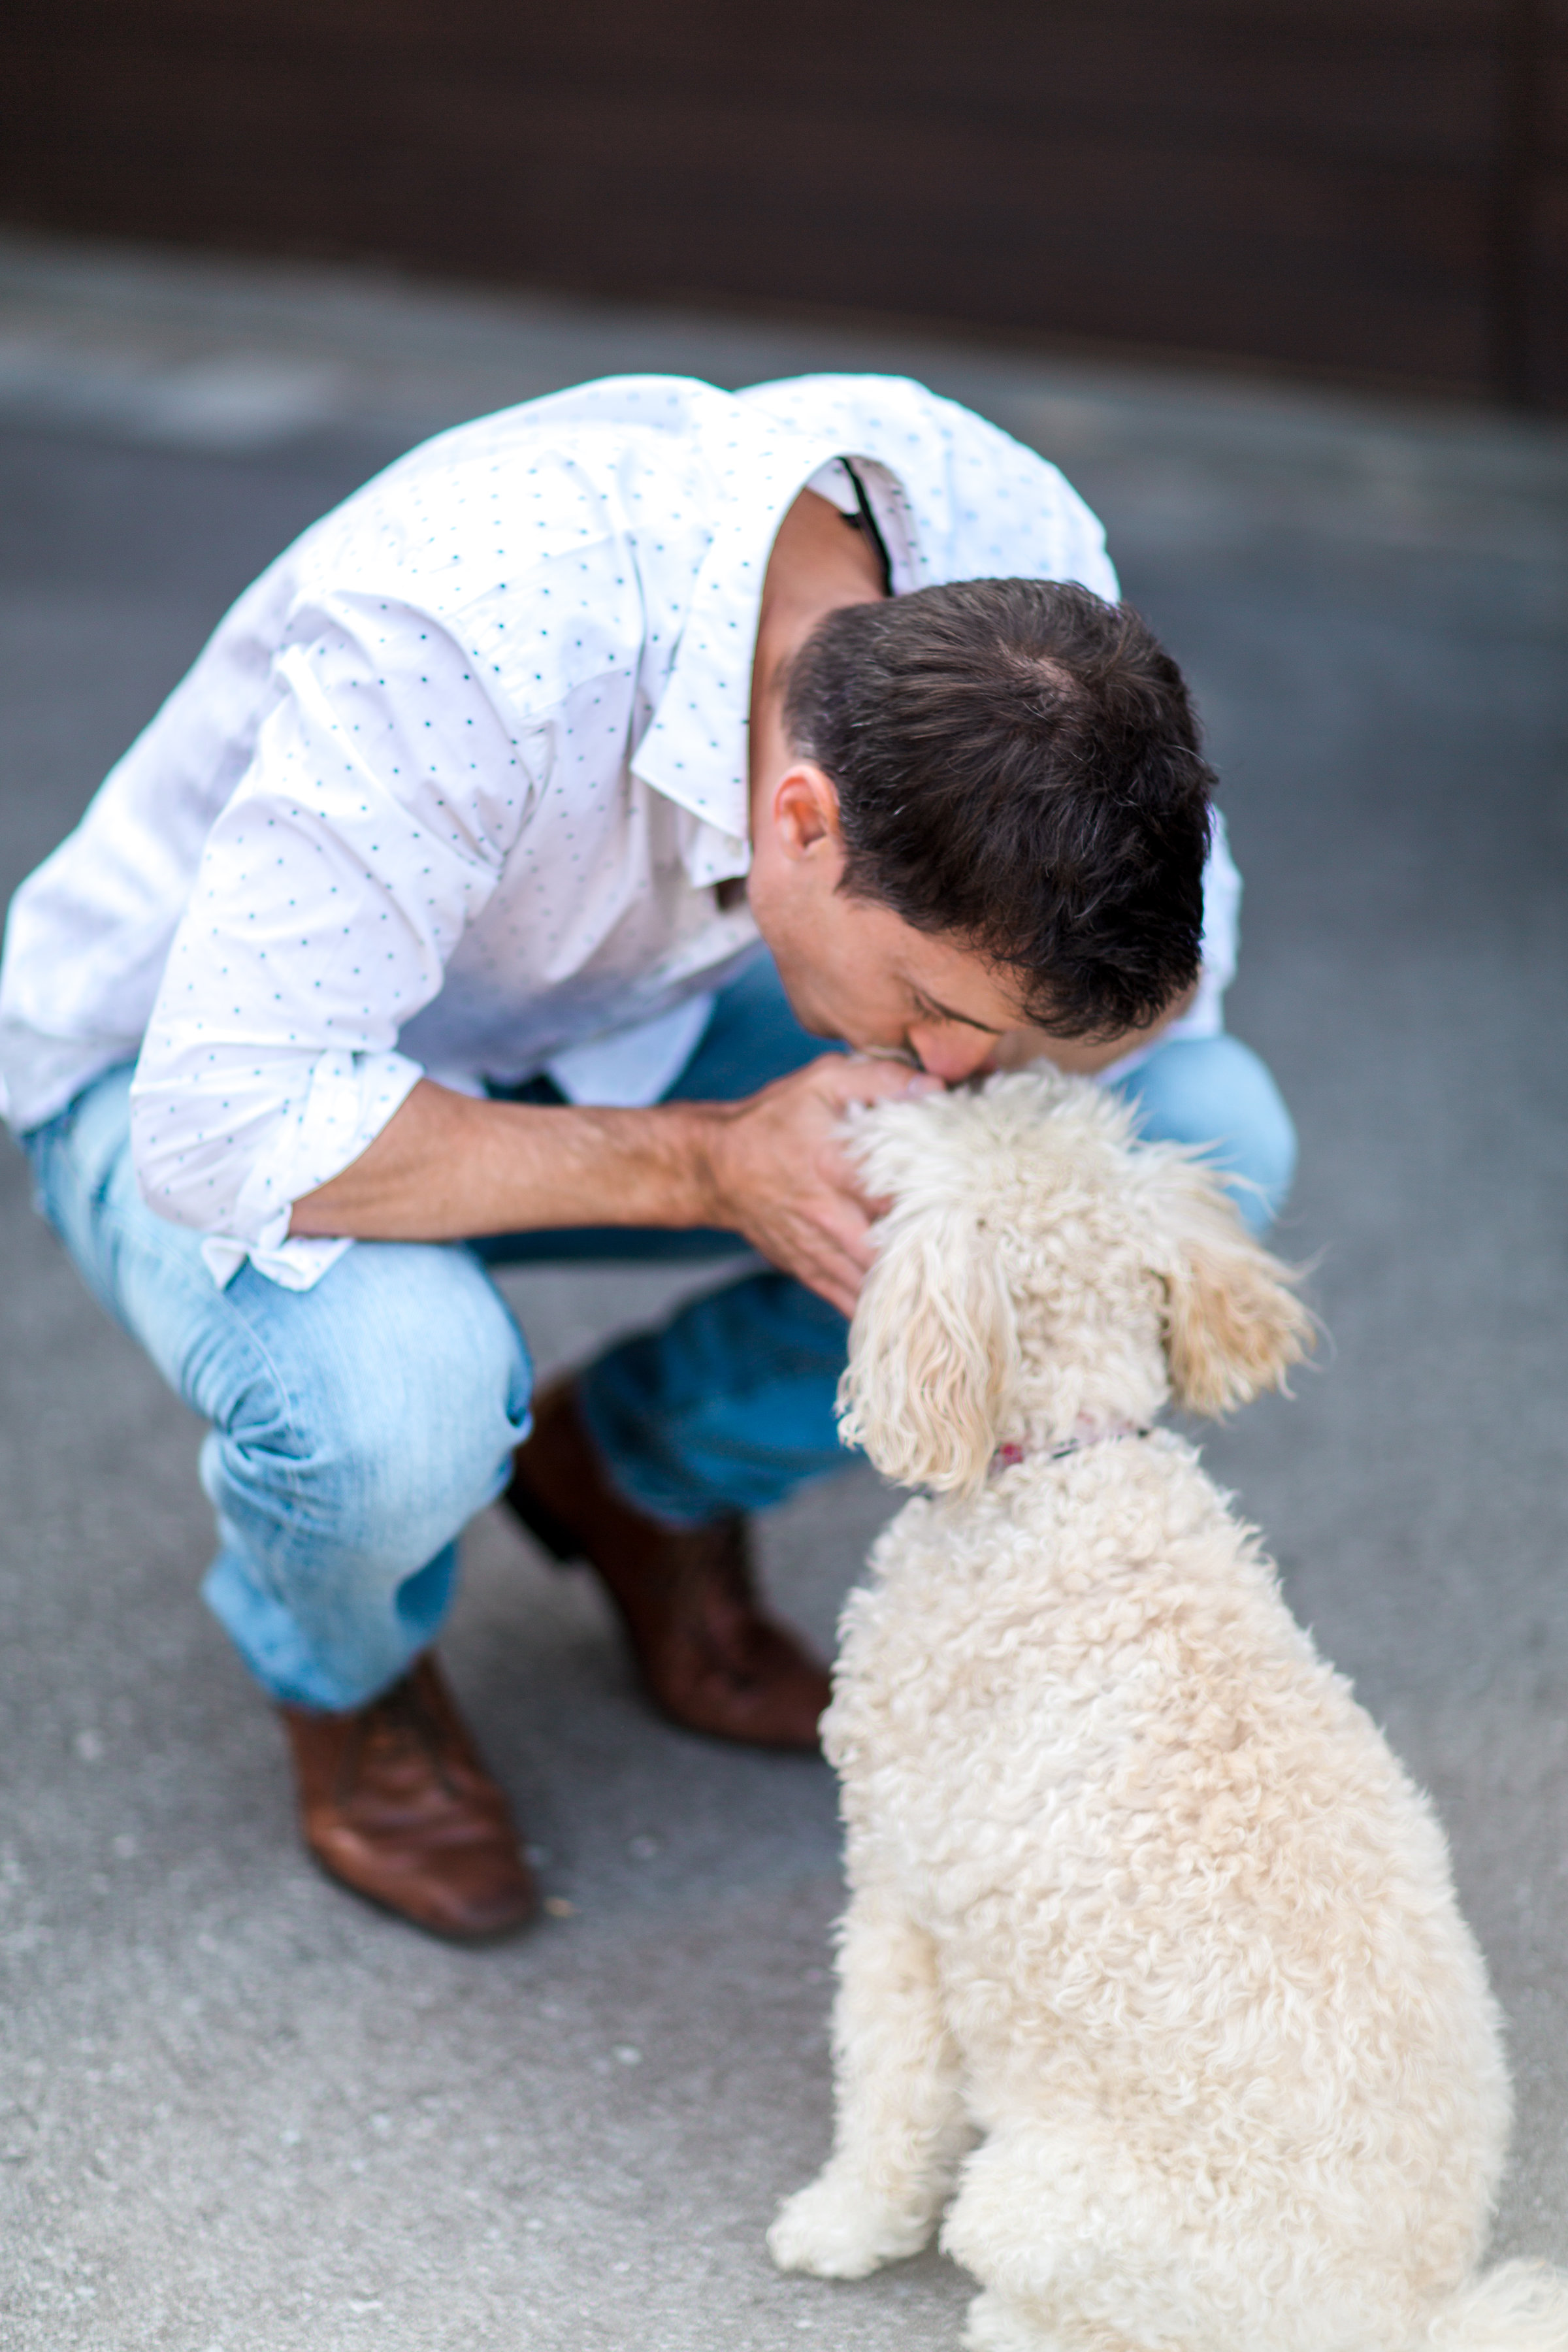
{"x":294,"y":1264}
{"x":349,"y":1099}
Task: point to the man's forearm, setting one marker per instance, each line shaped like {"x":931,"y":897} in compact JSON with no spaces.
{"x":772,"y":1167}
{"x":445,"y":1167}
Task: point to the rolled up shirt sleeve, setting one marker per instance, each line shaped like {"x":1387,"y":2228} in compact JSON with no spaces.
{"x":385,"y":791}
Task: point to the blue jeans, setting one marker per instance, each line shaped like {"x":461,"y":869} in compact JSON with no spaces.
{"x":355,"y":1428}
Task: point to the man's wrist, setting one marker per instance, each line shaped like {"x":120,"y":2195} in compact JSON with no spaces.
{"x":698,"y":1132}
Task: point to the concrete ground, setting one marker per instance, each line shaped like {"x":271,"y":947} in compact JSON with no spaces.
{"x":237,"y":2110}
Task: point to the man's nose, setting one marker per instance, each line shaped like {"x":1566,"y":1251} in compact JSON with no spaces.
{"x":953,"y":1055}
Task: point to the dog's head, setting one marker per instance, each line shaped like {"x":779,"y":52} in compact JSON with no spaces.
{"x":1040,"y":1273}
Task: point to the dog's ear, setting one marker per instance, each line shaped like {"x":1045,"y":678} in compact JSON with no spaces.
{"x":932,"y":1349}
{"x":1234,"y":1325}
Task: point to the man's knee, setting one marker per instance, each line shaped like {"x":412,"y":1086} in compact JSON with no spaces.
{"x":384,"y":1411}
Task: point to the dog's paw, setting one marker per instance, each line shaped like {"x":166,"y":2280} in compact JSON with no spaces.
{"x":995,"y":2325}
{"x":833,"y":2233}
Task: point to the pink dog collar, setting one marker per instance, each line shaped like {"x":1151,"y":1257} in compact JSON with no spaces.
{"x":1008,"y":1456}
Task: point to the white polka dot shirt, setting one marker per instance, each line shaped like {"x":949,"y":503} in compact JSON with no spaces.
{"x":452,"y":786}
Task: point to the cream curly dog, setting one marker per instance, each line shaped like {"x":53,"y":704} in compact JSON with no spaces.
{"x":1141,"y":1901}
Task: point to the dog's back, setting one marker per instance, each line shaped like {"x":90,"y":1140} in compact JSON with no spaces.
{"x":1215,"y":2007}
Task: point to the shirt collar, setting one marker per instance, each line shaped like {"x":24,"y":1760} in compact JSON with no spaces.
{"x":694,"y":750}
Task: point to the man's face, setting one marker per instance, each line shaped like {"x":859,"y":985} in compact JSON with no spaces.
{"x":855,"y":971}
{"x":852,"y":968}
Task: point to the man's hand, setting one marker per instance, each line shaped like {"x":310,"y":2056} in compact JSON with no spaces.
{"x":447,"y":1166}
{"x":781,"y":1177}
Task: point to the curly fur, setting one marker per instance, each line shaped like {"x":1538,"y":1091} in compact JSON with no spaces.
{"x":1151,"y":1955}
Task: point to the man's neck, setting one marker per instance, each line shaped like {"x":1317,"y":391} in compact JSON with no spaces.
{"x":820,"y":562}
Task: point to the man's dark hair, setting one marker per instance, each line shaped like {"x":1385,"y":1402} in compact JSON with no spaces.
{"x":1017,"y":767}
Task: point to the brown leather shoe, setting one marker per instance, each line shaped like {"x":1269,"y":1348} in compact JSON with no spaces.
{"x":710,"y":1659}
{"x":395,"y":1802}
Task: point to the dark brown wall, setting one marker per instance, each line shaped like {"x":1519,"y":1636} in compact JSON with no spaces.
{"x":1544,"y":267}
{"x":1372,"y":186}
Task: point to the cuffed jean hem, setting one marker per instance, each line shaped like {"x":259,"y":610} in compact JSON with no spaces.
{"x":276,"y":1648}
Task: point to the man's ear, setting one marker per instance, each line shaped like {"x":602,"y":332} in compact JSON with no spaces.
{"x":1234,"y":1325}
{"x":932,"y":1350}
{"x":804,"y":811}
